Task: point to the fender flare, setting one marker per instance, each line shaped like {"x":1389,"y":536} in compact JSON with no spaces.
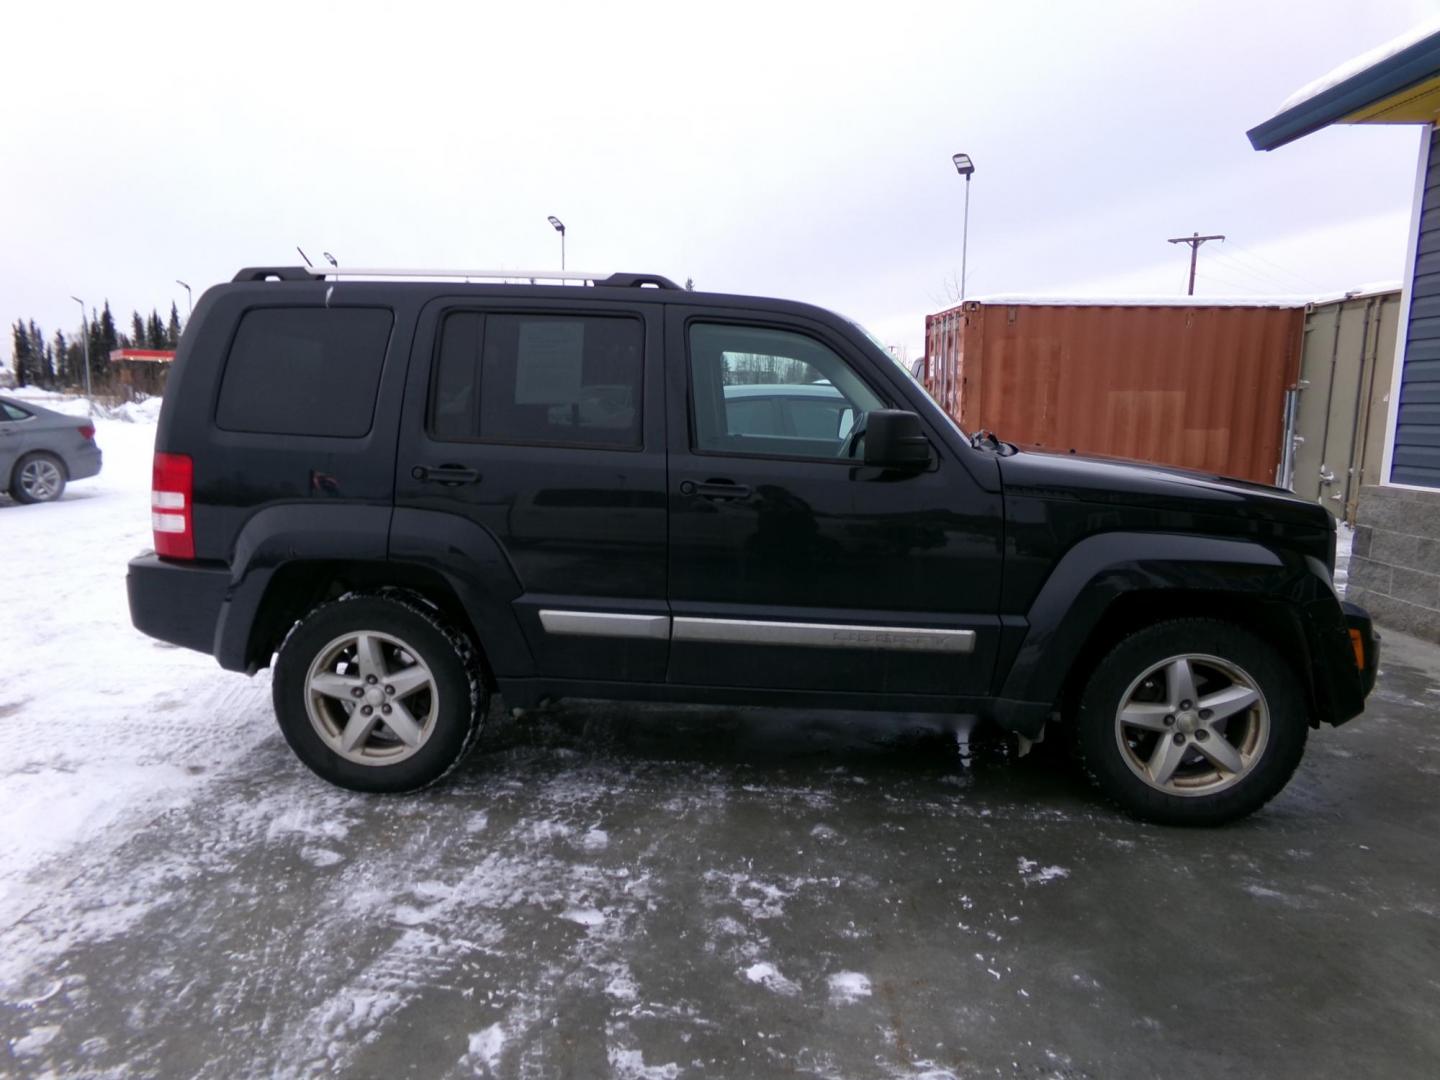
{"x":281,"y":534}
{"x":465,"y":555}
{"x":1100,"y":569}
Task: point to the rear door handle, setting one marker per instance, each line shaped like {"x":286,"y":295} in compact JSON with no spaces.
{"x":452,"y":475}
{"x":714,"y":489}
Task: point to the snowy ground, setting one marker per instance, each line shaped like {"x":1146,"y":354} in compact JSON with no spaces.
{"x":101,"y":723}
{"x":651,"y":893}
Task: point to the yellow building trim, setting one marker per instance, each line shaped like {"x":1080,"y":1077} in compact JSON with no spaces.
{"x":1415,"y":104}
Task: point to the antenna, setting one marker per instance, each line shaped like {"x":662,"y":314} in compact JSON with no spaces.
{"x":303,"y":255}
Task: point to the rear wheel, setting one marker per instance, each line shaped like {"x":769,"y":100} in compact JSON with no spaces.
{"x":378,"y":693}
{"x":38,"y":478}
{"x":1192,"y":722}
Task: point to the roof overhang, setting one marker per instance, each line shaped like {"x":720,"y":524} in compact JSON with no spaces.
{"x":1402,"y":87}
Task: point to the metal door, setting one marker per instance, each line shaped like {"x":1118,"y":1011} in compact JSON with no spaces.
{"x":796,"y":567}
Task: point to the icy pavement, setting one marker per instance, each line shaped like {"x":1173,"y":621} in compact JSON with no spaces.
{"x":658,"y":892}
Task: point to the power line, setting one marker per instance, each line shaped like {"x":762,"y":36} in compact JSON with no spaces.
{"x":1266,"y":279}
{"x":1194,"y":240}
{"x":1308,"y":282}
{"x":1210,"y":277}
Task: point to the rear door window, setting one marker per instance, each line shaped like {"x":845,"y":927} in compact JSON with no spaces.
{"x":304,"y":371}
{"x":557,"y":380}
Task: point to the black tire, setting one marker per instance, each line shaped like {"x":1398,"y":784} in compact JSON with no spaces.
{"x":1268,"y":737}
{"x":49,"y":493}
{"x":449,"y":708}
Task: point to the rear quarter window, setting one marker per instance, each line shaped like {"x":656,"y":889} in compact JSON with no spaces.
{"x":304,"y":371}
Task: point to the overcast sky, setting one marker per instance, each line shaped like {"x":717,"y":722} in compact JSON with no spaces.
{"x":781,"y":149}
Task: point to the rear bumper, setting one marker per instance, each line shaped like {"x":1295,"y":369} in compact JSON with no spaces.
{"x":84,"y":463}
{"x":176,"y":602}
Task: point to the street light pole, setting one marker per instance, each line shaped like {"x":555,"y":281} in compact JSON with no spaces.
{"x":965,"y":240}
{"x":966,"y":168}
{"x":85,"y":337}
{"x":189,"y":300}
{"x":559,"y":227}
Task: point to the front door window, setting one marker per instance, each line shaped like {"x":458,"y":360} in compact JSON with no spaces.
{"x":775,"y":393}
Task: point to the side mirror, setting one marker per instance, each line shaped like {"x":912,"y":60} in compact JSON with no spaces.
{"x":894,"y":439}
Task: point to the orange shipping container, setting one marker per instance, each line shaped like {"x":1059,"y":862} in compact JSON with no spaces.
{"x":1201,"y":386}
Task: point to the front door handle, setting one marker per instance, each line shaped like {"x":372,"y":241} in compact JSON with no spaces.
{"x":450,"y":475}
{"x":714,"y":489}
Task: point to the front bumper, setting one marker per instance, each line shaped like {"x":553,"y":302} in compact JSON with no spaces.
{"x":1344,"y":659}
{"x":1362,"y":629}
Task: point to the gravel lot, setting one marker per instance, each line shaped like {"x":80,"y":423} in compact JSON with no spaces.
{"x":663,"y":892}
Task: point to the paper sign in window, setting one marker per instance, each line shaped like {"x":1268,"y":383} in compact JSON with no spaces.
{"x":550,"y":361}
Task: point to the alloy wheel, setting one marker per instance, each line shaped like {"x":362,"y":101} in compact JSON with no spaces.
{"x":41,"y":480}
{"x":1192,"y":724}
{"x":371,"y":698}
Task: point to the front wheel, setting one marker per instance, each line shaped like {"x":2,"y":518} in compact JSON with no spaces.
{"x":378,"y":693}
{"x":1192,"y":722}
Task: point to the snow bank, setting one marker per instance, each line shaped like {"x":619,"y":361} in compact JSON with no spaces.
{"x":144,"y":410}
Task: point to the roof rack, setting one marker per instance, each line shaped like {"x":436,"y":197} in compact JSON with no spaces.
{"x":513,"y":277}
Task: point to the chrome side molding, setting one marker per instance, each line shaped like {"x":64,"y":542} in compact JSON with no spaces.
{"x":757,"y":632}
{"x":824,"y":635}
{"x":605,"y":624}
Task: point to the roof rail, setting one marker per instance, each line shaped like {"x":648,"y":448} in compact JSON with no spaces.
{"x":528,"y":277}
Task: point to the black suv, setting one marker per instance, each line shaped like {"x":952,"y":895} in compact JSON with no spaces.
{"x":413,"y":491}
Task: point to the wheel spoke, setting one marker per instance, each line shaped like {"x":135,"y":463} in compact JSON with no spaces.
{"x":336,"y":686}
{"x":403,"y":724}
{"x":1221,"y":753}
{"x":357,"y":730}
{"x":370,"y":656}
{"x":408,"y":680}
{"x":1165,"y":759}
{"x":1150,"y":717}
{"x":1180,"y":682}
{"x":1228,"y":702}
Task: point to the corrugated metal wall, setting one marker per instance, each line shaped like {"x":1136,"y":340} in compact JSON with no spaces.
{"x":1201,"y":387}
{"x":1416,"y":458}
{"x":1344,"y":395}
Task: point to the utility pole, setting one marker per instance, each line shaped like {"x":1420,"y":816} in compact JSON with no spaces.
{"x":1194,"y":240}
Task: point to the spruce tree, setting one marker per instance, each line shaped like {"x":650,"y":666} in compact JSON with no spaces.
{"x":22,"y":355}
{"x":98,"y":356}
{"x":155,"y":335}
{"x":172,"y":332}
{"x":42,"y":362}
{"x":137,"y":330}
{"x":109,"y":341}
{"x":63,"y":372}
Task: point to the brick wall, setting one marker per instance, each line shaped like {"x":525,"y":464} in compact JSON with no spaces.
{"x":1395,"y":562}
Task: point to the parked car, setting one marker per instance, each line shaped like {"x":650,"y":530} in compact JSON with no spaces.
{"x":41,"y":451}
{"x":411,"y":494}
{"x":801,"y":410}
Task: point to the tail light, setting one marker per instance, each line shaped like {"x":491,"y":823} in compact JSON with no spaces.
{"x":87,"y":432}
{"x":170,"y":505}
